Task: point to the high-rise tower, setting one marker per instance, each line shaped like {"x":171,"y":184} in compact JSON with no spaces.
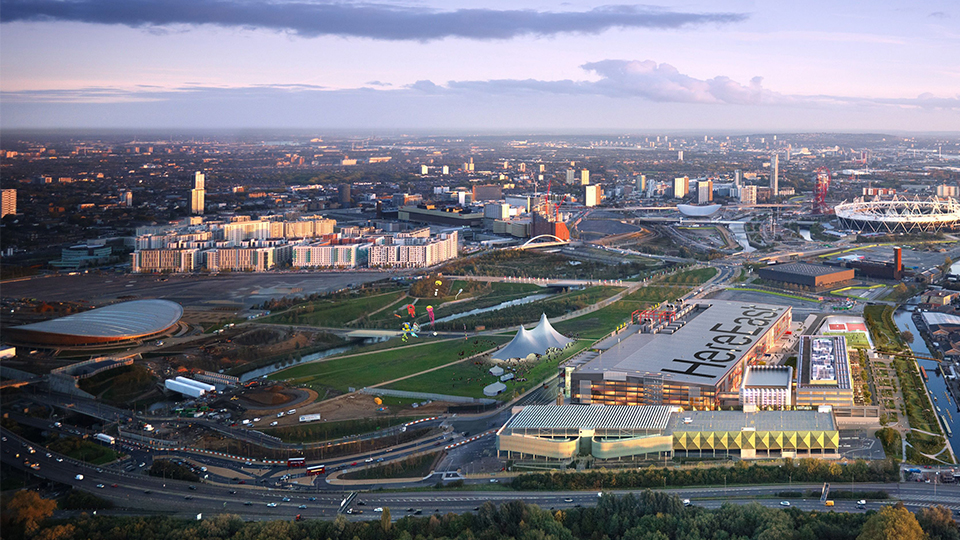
{"x":775,"y":175}
{"x":197,"y":195}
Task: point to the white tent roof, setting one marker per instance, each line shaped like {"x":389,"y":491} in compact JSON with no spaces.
{"x":535,"y":341}
{"x":544,"y":333}
{"x":494,"y":389}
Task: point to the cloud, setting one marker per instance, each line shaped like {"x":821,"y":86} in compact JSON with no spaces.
{"x":940,"y":15}
{"x":367,"y":20}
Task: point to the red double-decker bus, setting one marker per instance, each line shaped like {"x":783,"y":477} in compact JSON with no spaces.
{"x":316,"y":470}
{"x":296,"y":462}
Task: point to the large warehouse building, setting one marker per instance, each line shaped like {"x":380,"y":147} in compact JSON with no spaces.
{"x":615,"y":432}
{"x":118,"y":324}
{"x":697,"y":361}
{"x":813,"y":276}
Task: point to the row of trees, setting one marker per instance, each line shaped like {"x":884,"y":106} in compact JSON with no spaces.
{"x":646,"y":516}
{"x":803,"y":470}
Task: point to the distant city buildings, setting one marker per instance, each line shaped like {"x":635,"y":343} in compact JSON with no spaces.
{"x":593,"y":195}
{"x":775,"y":175}
{"x":748,"y":195}
{"x":704,"y":191}
{"x":198,"y":195}
{"x":681,"y":186}
{"x":944,"y":191}
{"x":9,"y":203}
{"x":585,"y":177}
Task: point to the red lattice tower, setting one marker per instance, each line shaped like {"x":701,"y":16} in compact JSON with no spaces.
{"x":820,"y":191}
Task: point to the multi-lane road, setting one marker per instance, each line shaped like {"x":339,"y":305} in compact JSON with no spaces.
{"x":151,"y":495}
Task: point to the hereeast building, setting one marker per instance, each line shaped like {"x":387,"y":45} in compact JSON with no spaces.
{"x":698,"y":364}
{"x":823,"y":372}
{"x":813,"y":276}
{"x":767,"y":386}
{"x":616,"y":432}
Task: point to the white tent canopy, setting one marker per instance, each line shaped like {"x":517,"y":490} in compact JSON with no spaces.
{"x":535,"y":341}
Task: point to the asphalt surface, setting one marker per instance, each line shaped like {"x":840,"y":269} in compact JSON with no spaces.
{"x":148,"y":494}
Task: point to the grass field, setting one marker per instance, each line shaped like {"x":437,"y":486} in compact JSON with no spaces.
{"x":83,"y":450}
{"x":121,"y":385}
{"x":855,"y":340}
{"x":469,"y":379}
{"x":884,"y":331}
{"x":362,"y":370}
{"x":476,"y":295}
{"x":691,"y":277}
{"x":334,"y":313}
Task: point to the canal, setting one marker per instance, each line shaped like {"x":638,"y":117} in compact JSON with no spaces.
{"x":936,"y":384}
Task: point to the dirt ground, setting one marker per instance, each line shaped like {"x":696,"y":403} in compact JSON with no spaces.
{"x":349,"y":407}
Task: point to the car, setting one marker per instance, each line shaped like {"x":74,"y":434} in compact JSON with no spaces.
{"x":188,"y":497}
{"x":192,"y":488}
{"x":368,"y":460}
{"x":493,"y":480}
{"x":568,"y":500}
{"x":354,"y":464}
{"x":257,"y":419}
{"x":378,"y":509}
{"x":349,"y":510}
{"x":292,"y":411}
{"x":274,"y":423}
{"x":302,"y":507}
{"x":100,"y":486}
{"x":361,"y":503}
{"x":49,"y":455}
{"x":114,"y":485}
{"x":248,"y":503}
{"x":249,"y":463}
{"x":784,"y":503}
{"x":59,"y":460}
{"x":686,"y":502}
{"x":272,"y":505}
{"x":78,"y":477}
{"x":312,"y":499}
{"x":143,"y":464}
{"x":862,"y":501}
{"x":233,"y":492}
{"x":286,"y":499}
{"x":147,"y":491}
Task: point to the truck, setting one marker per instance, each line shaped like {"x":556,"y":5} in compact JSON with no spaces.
{"x":103,"y":437}
{"x":309,"y":417}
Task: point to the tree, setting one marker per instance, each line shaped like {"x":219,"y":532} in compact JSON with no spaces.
{"x":938,"y":523}
{"x":28,"y":509}
{"x":906,"y":336}
{"x":385,"y":520}
{"x":892,"y":523}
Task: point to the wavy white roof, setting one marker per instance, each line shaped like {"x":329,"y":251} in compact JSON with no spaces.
{"x":127,"y":319}
{"x":535,"y":341}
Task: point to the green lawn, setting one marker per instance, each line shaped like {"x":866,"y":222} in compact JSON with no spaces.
{"x":855,"y":340}
{"x":347,"y":371}
{"x":785,"y":295}
{"x":691,"y":277}
{"x":469,"y":379}
{"x":83,"y":450}
{"x":329,"y":312}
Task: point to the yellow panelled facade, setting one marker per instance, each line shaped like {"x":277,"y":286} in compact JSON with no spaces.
{"x":756,"y":440}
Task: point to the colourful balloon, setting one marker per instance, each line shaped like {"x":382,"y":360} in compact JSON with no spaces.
{"x":430,"y":312}
{"x":412,"y":310}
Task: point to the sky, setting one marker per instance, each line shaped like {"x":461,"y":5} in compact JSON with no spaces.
{"x":464,"y":66}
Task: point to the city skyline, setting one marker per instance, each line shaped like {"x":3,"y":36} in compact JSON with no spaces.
{"x":487,"y":66}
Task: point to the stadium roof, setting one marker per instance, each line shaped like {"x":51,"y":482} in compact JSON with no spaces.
{"x":702,"y":351}
{"x":760,"y":421}
{"x":126,"y":320}
{"x":596,"y":417}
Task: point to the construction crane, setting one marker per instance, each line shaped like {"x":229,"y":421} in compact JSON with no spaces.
{"x":820,"y":191}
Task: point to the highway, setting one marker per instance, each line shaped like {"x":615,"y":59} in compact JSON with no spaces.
{"x":152,"y":495}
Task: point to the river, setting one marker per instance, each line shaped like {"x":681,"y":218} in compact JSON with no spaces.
{"x":935,"y":383}
{"x":501,"y":305}
{"x":740,"y":233}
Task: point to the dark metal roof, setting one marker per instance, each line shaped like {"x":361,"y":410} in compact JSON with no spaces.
{"x":127,"y":319}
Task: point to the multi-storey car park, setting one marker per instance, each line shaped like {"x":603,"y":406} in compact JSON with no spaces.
{"x":900,"y":214}
{"x":616,"y":432}
{"x":696,"y":361}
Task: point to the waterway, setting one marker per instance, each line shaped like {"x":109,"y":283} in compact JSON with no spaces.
{"x":267,"y":370}
{"x":936,"y":385}
{"x":737,"y":228}
{"x":501,"y":305}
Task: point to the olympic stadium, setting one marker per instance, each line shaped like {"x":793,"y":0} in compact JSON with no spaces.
{"x":900,"y":215}
{"x":118,"y":324}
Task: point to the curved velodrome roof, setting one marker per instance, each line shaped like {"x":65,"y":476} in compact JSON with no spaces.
{"x":698,"y":211}
{"x":127,"y":320}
